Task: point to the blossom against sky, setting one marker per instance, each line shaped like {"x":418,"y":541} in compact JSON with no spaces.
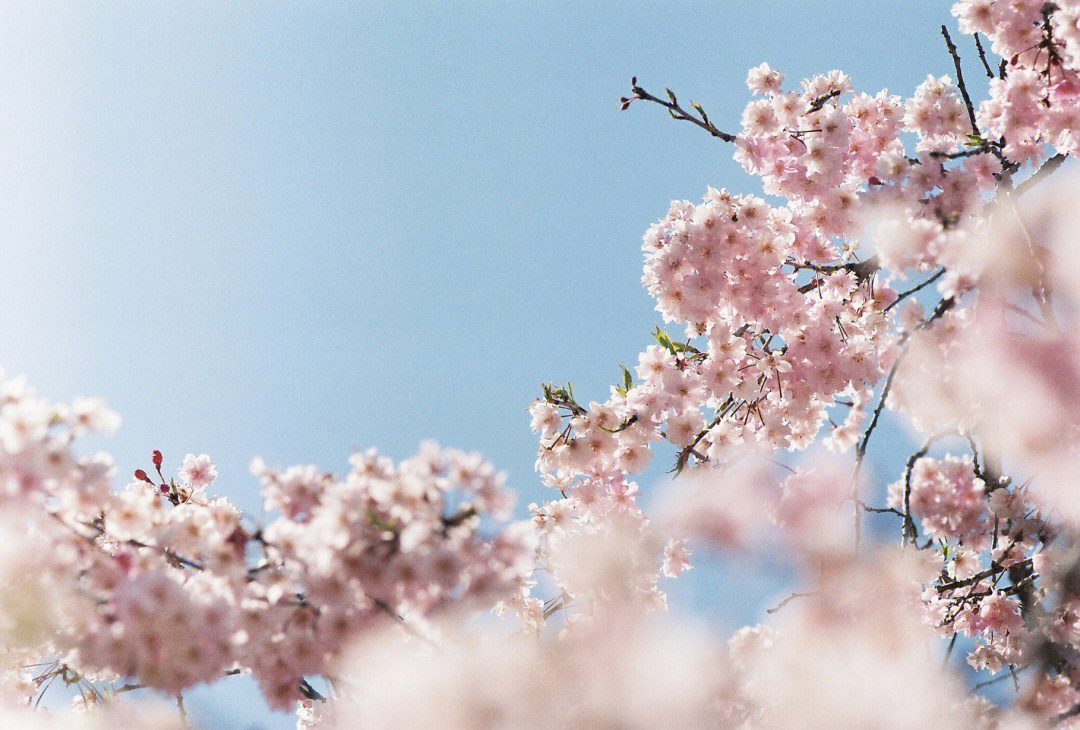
{"x":290,"y":230}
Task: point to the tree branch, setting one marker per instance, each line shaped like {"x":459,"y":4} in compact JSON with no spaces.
{"x":982,"y":57}
{"x":788,"y":600}
{"x":860,"y":451}
{"x":960,"y":81}
{"x":701,"y":119}
{"x":904,"y":295}
{"x":1047,"y":168}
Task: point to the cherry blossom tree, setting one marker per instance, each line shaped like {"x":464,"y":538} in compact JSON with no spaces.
{"x":909,"y":262}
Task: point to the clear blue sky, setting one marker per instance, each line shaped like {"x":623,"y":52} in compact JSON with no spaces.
{"x":292,"y":229}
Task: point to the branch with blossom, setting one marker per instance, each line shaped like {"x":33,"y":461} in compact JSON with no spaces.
{"x":908,"y":265}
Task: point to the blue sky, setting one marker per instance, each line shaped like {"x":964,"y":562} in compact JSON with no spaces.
{"x":296,"y":229}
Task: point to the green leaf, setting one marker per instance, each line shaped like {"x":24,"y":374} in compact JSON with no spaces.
{"x":663,"y":339}
{"x":379,"y":523}
{"x":680,"y":463}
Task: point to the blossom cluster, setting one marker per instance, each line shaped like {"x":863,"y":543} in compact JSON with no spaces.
{"x":948,"y":498}
{"x":807,"y":318}
{"x":621,"y":667}
{"x":787,"y":323}
{"x":1035,"y":103}
{"x":164,"y":586}
{"x":905,"y":263}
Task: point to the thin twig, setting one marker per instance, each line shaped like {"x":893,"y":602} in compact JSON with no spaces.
{"x":960,"y":81}
{"x":881,"y":510}
{"x":981,"y":575}
{"x":993,"y":680}
{"x":389,"y":611}
{"x":310,"y":692}
{"x":910,"y":531}
{"x":860,"y":451}
{"x":904,"y":295}
{"x":949,"y":650}
{"x":982,"y":57}
{"x":788,"y":600}
{"x":701,"y":119}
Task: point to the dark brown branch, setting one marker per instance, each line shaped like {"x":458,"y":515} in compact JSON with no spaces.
{"x":949,"y":650}
{"x":995,"y":680}
{"x":458,"y":517}
{"x":960,"y":81}
{"x":701,"y":119}
{"x":881,"y":510}
{"x":860,"y":451}
{"x":862,"y":270}
{"x":990,"y":572}
{"x":910,"y":531}
{"x":904,"y":295}
{"x":982,"y":57}
{"x":310,"y":692}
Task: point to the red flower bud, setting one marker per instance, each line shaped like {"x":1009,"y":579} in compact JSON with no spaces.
{"x":124,"y":561}
{"x":141,"y":476}
{"x":157,"y":459}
